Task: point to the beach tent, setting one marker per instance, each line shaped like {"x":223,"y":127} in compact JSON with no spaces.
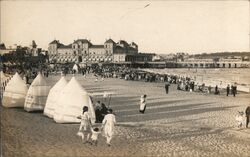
{"x":75,"y":67}
{"x":37,"y":94}
{"x":15,"y":92}
{"x":53,"y":96}
{"x":3,"y":82}
{"x":70,"y":103}
{"x":3,"y":77}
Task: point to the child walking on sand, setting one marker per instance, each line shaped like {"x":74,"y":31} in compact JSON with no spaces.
{"x":94,"y":136}
{"x":85,"y":126}
{"x":239,"y":118}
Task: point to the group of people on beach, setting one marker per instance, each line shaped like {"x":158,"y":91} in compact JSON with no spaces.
{"x":92,"y":132}
{"x":184,"y":83}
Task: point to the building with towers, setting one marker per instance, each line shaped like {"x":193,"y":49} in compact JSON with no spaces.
{"x":83,"y":51}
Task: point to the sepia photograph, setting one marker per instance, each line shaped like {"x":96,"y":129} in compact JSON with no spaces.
{"x":136,"y":78}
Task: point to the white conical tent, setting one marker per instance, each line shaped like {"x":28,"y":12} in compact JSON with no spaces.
{"x":37,"y":94}
{"x":53,"y":96}
{"x":15,"y":92}
{"x":3,"y":77}
{"x":3,"y":82}
{"x":75,"y":67}
{"x":70,"y":103}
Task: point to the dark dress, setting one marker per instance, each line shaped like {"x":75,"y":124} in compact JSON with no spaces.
{"x":98,"y":116}
{"x":167,"y":87}
{"x":228,"y":90}
{"x":247,"y":115}
{"x":103,"y":112}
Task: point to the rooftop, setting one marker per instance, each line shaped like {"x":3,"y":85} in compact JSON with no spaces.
{"x":97,"y":46}
{"x":2,"y":46}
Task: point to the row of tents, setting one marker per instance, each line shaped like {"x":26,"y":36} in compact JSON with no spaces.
{"x":63,"y":102}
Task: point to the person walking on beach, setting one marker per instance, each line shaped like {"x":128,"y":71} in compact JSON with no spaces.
{"x":247,"y":112}
{"x":216,"y":90}
{"x":143,"y":103}
{"x":85,"y":126}
{"x":239,"y":119}
{"x":234,"y":89}
{"x":167,"y":87}
{"x":228,"y":89}
{"x":108,"y":125}
{"x":94,"y":136}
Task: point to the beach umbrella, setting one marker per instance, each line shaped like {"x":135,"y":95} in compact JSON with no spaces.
{"x":37,"y":94}
{"x":53,"y":96}
{"x":15,"y":92}
{"x":70,"y":103}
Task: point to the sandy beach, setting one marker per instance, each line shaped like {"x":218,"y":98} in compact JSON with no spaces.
{"x":180,"y":124}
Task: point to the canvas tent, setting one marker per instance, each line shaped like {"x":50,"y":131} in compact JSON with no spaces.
{"x":15,"y":92}
{"x":37,"y":94}
{"x":75,"y":67}
{"x":3,"y":77}
{"x":70,"y":103}
{"x":3,"y":82}
{"x":53,"y":96}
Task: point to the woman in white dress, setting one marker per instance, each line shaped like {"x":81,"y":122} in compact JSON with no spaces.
{"x":108,"y":125}
{"x":143,"y":103}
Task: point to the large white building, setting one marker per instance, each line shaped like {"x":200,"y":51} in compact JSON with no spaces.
{"x":82,"y":50}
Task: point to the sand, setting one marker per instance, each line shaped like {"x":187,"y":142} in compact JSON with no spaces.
{"x":177,"y":124}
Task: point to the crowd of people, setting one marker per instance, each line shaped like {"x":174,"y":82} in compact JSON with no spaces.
{"x":89,"y":132}
{"x":123,"y":72}
{"x":183,"y":83}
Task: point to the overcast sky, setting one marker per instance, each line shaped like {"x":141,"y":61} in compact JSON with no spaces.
{"x":160,"y":27}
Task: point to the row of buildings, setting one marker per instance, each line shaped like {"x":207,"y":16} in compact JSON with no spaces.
{"x":33,"y":50}
{"x":234,"y":62}
{"x":83,"y":51}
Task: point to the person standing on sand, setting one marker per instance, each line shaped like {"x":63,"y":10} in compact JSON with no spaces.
{"x":108,"y":125}
{"x":216,"y":90}
{"x":143,"y":103}
{"x":234,"y":89}
{"x":103,"y":111}
{"x":167,"y":87}
{"x":85,"y":126}
{"x":228,"y":89}
{"x":247,"y":115}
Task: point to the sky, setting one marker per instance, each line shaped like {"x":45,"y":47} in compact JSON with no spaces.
{"x":156,"y":26}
